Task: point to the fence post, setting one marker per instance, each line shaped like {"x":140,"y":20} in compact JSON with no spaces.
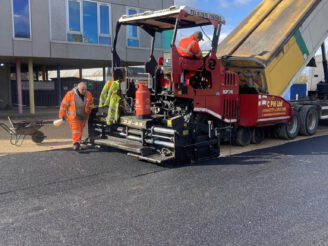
{"x":81,"y":74}
{"x":31,"y":85}
{"x":59,"y":96}
{"x":104,"y":75}
{"x":19,"y":86}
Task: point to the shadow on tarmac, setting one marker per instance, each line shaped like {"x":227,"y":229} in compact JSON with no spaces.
{"x":54,"y":143}
{"x":311,"y":146}
{"x":123,"y":167}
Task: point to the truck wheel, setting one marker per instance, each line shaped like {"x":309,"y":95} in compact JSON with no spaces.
{"x":243,"y":136}
{"x":291,"y":129}
{"x":309,"y":120}
{"x":38,"y":137}
{"x":257,"y":135}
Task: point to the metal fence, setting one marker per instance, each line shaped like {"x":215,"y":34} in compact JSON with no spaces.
{"x":94,"y":87}
{"x":45,"y":93}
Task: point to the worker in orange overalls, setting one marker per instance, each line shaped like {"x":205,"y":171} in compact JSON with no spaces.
{"x":189,"y":47}
{"x":76,"y":106}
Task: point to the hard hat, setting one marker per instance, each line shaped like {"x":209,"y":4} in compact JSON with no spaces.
{"x":198,"y":35}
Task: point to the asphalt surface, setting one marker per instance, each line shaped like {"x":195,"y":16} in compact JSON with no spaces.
{"x":273,"y":196}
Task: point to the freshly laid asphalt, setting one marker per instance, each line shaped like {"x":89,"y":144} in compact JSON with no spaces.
{"x":273,"y":196}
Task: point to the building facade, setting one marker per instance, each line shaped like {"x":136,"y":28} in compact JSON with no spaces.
{"x":69,"y":34}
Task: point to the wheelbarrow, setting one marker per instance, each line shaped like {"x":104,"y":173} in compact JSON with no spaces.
{"x":18,"y":131}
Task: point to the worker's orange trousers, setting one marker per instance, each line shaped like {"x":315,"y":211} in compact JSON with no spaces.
{"x":77,"y":129}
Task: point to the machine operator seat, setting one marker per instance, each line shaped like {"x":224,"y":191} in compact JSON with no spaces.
{"x":191,"y":65}
{"x":151,"y":65}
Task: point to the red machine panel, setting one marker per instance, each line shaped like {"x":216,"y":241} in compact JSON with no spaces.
{"x":214,"y":92}
{"x":263,"y":110}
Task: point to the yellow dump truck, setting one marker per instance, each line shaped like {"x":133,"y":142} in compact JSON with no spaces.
{"x":273,"y":45}
{"x":275,"y":42}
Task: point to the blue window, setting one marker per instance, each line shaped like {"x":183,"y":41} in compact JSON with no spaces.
{"x":90,"y":25}
{"x":104,"y":29}
{"x":104,"y":19}
{"x":74,"y":16}
{"x":158,"y":40}
{"x":105,"y":40}
{"x":132,"y":30}
{"x":21,"y":14}
{"x":74,"y":21}
{"x":74,"y":37}
{"x":133,"y":39}
{"x":89,"y":22}
{"x":133,"y":43}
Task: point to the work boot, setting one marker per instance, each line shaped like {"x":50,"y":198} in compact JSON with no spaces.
{"x":76,"y":146}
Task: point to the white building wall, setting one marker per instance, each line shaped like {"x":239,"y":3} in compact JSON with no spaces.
{"x":49,"y":34}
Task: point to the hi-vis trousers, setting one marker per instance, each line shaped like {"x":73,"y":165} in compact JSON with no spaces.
{"x":77,"y":129}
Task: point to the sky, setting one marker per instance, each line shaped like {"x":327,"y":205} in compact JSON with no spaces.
{"x":233,"y":11}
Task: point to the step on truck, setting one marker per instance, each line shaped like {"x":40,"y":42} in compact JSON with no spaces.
{"x":181,"y":108}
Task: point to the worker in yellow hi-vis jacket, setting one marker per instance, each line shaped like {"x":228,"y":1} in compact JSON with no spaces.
{"x":109,"y":97}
